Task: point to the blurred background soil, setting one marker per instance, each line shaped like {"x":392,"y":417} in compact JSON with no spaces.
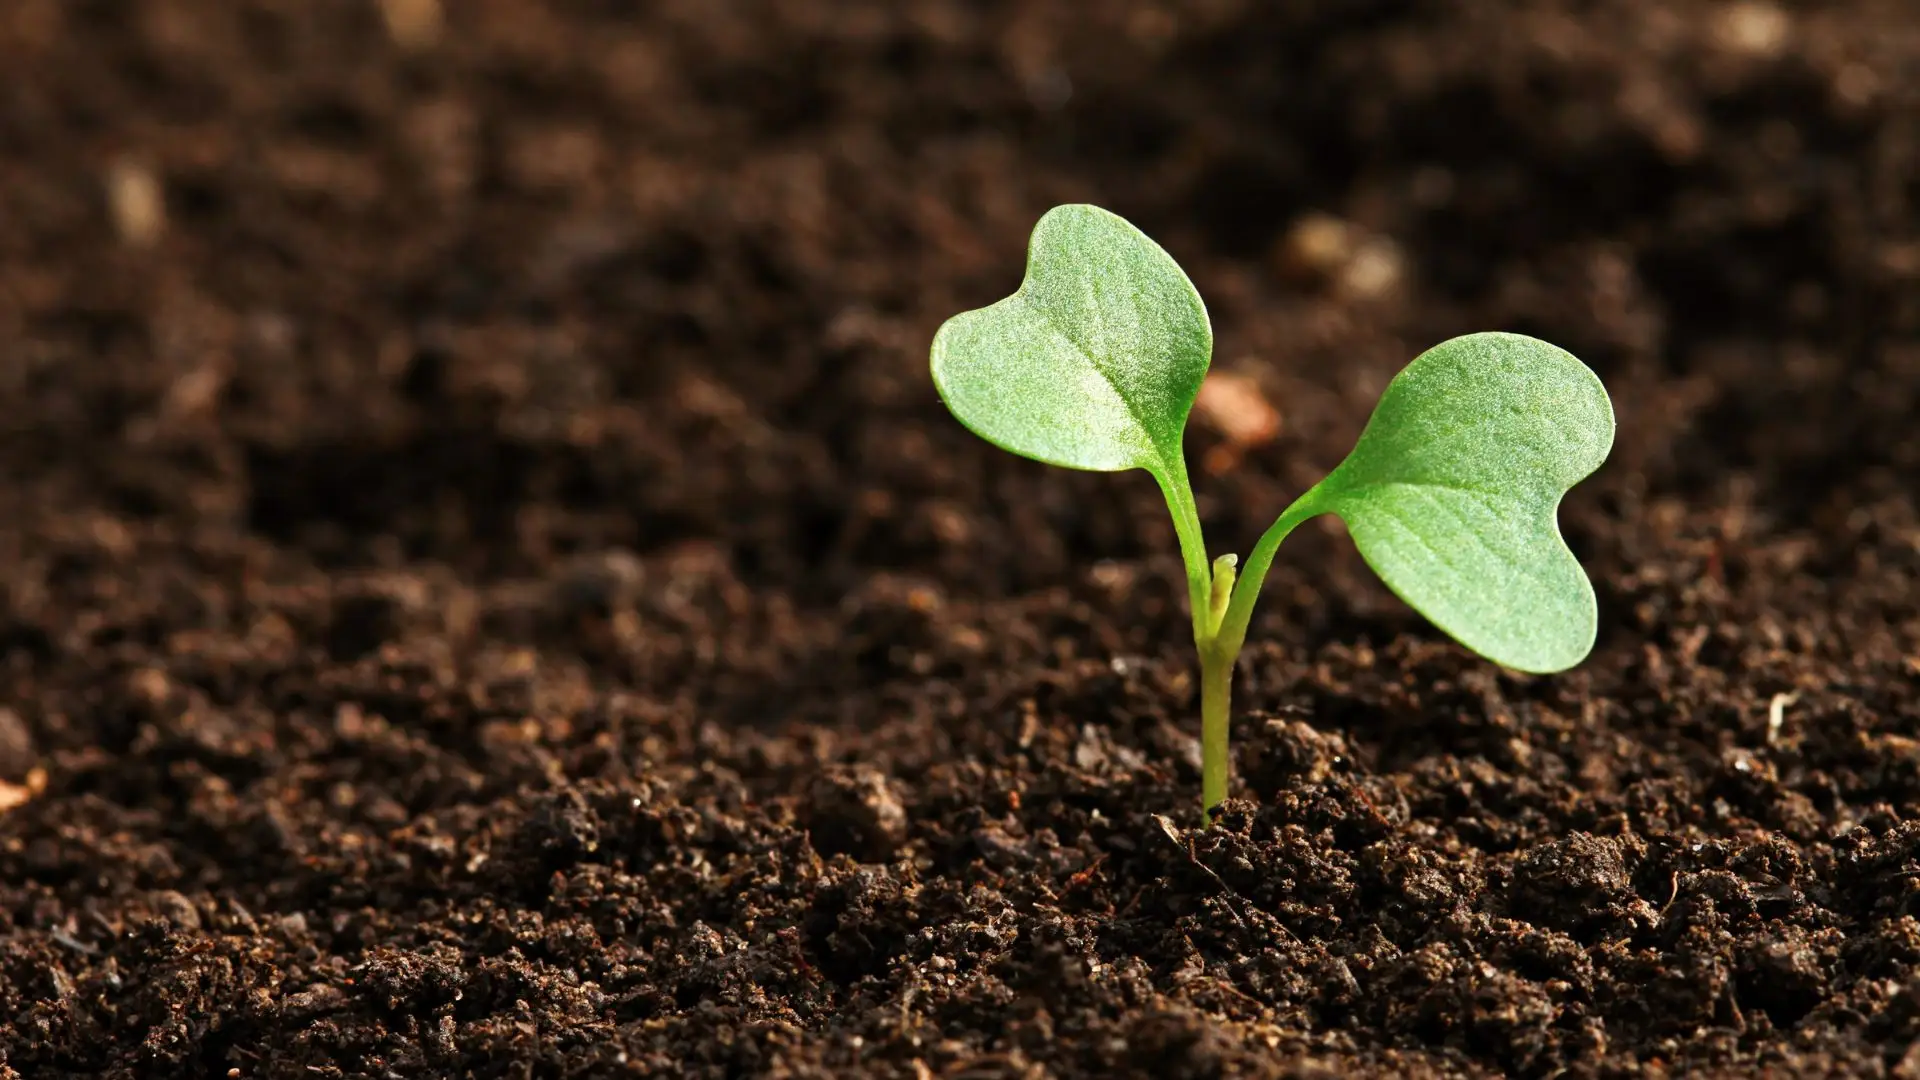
{"x":487,"y":587}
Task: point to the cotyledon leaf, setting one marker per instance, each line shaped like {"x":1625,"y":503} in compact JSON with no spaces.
{"x":1451,"y":494}
{"x":1094,"y":362}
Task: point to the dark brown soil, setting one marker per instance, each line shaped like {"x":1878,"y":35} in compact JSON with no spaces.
{"x":487,"y":588}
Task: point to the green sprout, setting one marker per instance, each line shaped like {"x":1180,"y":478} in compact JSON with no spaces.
{"x":1450,"y":494}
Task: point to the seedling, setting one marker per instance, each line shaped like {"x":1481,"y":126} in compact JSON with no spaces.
{"x":1450,"y":494}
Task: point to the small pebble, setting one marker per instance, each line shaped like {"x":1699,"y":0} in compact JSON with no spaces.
{"x":1752,"y":28}
{"x":1358,"y":264}
{"x":135,"y":200}
{"x":1234,"y":406}
{"x":17,"y":753}
{"x":413,"y":24}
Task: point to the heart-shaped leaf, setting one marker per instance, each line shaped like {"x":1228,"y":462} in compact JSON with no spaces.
{"x":1094,"y":362}
{"x":1451,"y":494}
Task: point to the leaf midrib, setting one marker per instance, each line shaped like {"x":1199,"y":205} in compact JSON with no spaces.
{"x":1086,"y":354}
{"x":1527,"y":569}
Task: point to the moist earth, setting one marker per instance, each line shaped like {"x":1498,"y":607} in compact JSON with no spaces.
{"x":487,"y":588}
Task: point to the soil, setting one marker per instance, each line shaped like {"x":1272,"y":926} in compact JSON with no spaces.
{"x":487,"y":588}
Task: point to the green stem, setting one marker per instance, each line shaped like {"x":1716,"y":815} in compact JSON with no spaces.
{"x":1222,"y":606}
{"x":1220,"y":648}
{"x":1232,"y":632}
{"x":1216,"y":694}
{"x":1193,"y":544}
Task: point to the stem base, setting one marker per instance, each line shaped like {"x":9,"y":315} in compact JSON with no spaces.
{"x":1216,"y":693}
